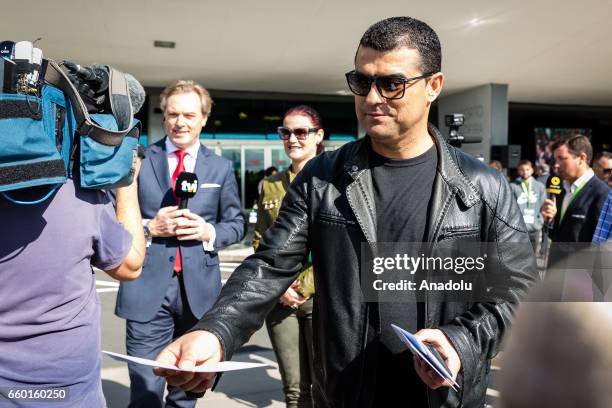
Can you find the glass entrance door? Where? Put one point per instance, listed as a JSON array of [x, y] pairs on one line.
[[254, 166]]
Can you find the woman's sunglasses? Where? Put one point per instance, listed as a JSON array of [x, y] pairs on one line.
[[301, 133]]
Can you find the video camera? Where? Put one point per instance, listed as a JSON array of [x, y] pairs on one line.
[[57, 119], [454, 121]]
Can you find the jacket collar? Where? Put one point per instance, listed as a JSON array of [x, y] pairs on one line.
[[449, 182], [448, 170]]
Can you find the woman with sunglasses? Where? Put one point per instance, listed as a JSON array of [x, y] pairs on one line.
[[289, 324]]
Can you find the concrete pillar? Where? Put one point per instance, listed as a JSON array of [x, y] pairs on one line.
[[156, 128], [486, 116]]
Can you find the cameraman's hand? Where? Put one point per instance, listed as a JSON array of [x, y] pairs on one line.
[[166, 221], [186, 352]]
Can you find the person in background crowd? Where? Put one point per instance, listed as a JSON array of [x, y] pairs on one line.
[[401, 183], [542, 173], [496, 164], [270, 171], [289, 324], [602, 166], [530, 195], [576, 211], [603, 231], [181, 278]]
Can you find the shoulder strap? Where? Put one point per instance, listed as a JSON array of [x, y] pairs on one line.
[[121, 107]]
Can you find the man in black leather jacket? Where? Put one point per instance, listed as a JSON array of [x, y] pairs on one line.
[[335, 206]]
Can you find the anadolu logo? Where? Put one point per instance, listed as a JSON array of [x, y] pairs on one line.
[[189, 187], [555, 181]]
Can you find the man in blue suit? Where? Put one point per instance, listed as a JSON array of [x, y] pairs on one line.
[[576, 211], [181, 279]]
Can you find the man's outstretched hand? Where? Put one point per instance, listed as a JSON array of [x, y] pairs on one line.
[[187, 352]]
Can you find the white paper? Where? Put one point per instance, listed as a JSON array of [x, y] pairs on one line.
[[220, 367]]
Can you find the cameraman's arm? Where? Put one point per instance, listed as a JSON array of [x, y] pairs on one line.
[[128, 213]]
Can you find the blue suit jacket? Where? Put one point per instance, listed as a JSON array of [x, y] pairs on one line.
[[580, 218], [217, 202]]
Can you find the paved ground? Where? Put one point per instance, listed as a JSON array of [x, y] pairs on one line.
[[260, 387]]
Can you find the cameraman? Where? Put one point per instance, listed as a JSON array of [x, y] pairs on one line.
[[49, 307]]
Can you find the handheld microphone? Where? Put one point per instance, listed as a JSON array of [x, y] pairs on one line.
[[553, 189], [553, 186], [186, 187]]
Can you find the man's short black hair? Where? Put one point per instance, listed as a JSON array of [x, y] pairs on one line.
[[395, 32]]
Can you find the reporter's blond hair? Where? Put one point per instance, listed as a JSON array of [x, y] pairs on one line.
[[185, 86]]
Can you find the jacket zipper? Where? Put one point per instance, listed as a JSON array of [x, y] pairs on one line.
[[436, 239], [457, 233]]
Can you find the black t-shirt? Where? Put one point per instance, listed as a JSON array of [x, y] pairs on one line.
[[402, 195]]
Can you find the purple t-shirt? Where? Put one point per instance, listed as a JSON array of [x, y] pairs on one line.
[[49, 308]]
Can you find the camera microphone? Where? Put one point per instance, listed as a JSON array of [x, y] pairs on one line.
[[186, 186], [92, 84], [95, 72]]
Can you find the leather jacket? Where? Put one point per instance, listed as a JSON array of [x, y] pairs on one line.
[[329, 209]]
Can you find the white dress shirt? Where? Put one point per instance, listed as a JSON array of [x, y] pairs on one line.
[[189, 162], [571, 189]]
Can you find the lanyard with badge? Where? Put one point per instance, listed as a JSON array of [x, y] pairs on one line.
[[528, 213]]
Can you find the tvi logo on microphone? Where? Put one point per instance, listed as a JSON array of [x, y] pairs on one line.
[[189, 187]]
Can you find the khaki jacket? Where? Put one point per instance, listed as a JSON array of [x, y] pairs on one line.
[[272, 193]]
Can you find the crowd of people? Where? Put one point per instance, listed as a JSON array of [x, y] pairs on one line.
[[316, 223]]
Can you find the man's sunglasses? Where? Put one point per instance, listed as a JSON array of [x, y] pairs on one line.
[[389, 87], [301, 133]]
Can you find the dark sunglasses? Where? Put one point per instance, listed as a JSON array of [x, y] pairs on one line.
[[301, 133], [389, 87]]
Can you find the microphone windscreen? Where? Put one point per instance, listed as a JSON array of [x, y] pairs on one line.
[[137, 92], [186, 185], [135, 89], [553, 185]]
